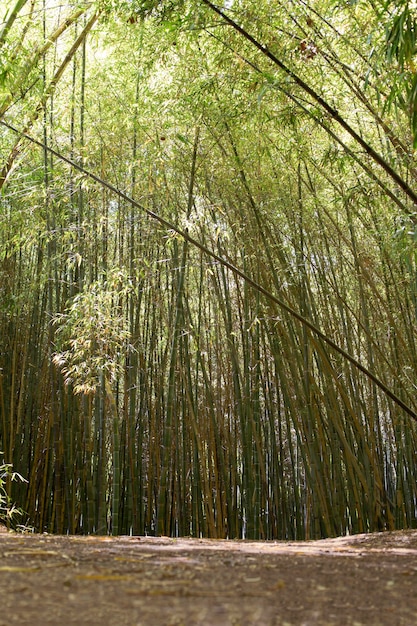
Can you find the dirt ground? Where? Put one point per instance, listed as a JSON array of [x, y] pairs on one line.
[[135, 581]]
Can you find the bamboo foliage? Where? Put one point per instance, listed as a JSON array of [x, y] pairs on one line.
[[145, 387]]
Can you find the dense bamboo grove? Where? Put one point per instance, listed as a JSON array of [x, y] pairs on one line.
[[146, 386]]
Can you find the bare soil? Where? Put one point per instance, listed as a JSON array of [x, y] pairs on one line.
[[134, 581]]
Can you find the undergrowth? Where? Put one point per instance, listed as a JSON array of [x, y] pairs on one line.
[[9, 512]]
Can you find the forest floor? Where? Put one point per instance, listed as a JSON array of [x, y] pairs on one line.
[[117, 581]]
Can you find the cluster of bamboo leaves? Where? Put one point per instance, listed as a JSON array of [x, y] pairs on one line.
[[145, 385]]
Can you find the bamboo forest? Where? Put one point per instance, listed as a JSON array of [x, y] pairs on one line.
[[208, 266]]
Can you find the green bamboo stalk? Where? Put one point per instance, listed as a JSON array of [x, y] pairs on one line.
[[166, 473], [10, 19]]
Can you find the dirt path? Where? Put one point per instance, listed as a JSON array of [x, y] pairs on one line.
[[135, 581]]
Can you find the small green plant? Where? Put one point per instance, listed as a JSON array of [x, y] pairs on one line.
[[8, 510]]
